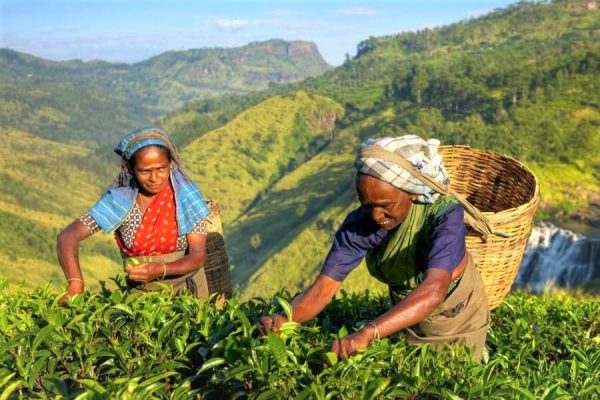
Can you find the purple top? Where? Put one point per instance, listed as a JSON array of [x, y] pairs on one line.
[[359, 234]]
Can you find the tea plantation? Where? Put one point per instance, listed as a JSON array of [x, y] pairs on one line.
[[113, 345]]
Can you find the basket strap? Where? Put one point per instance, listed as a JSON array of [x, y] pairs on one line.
[[474, 217]]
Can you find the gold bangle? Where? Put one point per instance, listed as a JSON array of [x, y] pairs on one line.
[[376, 335], [164, 271], [75, 279]]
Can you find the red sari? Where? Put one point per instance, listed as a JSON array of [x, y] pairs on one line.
[[157, 233]]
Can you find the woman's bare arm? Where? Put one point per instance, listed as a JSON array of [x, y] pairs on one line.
[[67, 250], [413, 309]]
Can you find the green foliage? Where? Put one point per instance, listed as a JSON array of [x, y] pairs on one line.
[[112, 344], [523, 80]]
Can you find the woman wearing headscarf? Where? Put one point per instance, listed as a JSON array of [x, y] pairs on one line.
[[158, 217], [413, 239]]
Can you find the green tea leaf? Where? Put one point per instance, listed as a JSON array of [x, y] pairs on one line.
[[93, 385], [157, 378], [287, 308], [288, 329], [56, 386], [9, 389], [6, 379], [376, 387], [123, 308], [132, 262], [41, 336], [243, 319], [268, 394], [277, 347], [212, 363], [331, 358], [525, 392]]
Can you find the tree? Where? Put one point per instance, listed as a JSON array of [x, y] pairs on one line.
[[418, 82]]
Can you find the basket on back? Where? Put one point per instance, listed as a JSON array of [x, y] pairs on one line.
[[507, 193], [216, 265]]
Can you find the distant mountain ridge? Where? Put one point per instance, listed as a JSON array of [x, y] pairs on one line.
[[297, 60], [97, 100]]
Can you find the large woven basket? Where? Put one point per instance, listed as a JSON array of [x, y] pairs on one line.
[[216, 265], [507, 193]]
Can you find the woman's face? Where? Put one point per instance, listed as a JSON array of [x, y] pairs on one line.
[[385, 204], [151, 168]]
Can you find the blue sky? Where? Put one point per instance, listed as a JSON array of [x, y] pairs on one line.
[[134, 30]]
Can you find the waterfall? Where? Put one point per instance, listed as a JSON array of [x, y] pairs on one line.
[[557, 257]]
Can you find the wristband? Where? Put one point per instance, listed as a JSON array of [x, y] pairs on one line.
[[75, 279], [376, 335]]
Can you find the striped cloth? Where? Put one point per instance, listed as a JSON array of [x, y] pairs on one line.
[[113, 206], [420, 153]]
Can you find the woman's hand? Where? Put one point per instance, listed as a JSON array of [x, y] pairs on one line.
[[271, 322], [412, 310], [345, 346], [145, 273], [74, 288]]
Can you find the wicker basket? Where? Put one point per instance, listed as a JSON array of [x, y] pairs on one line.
[[507, 193], [216, 265]]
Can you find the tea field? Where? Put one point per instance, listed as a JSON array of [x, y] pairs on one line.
[[110, 344]]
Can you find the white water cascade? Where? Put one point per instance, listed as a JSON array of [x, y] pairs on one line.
[[556, 257]]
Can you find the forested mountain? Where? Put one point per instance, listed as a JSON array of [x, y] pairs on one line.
[[97, 101], [524, 80]]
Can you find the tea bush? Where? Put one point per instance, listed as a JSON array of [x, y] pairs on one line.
[[112, 344]]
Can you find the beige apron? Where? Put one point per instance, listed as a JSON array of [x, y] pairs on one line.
[[463, 318], [194, 282]]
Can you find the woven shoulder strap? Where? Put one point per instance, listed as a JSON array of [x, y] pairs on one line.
[[473, 217]]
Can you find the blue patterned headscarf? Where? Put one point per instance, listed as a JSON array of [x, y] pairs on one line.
[[141, 138], [114, 205]]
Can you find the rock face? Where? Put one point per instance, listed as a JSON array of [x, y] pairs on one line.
[[256, 63], [558, 257]]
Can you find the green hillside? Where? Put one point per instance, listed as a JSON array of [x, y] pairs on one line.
[[96, 101], [45, 185], [238, 163]]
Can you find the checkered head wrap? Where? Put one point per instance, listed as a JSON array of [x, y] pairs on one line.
[[420, 153]]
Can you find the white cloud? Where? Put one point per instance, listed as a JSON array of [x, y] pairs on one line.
[[355, 11], [230, 24]]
